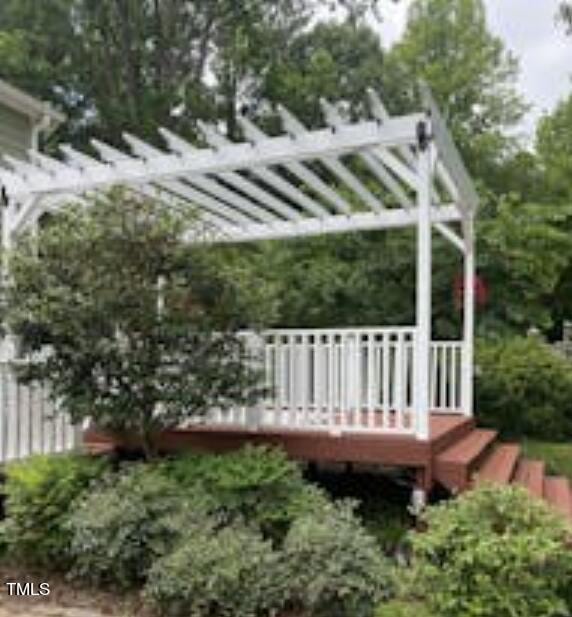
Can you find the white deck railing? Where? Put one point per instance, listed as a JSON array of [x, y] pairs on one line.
[[446, 376], [345, 380], [337, 380], [28, 424]]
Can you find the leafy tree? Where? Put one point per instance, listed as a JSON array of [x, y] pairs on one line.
[[523, 251], [448, 44], [554, 146], [337, 61], [141, 326], [116, 65]]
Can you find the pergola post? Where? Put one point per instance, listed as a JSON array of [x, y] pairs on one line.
[[7, 346], [468, 318], [423, 302]]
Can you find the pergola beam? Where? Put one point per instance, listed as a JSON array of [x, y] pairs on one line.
[[293, 126], [233, 157], [449, 155], [394, 218]]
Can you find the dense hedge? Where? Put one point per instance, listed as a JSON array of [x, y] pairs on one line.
[[524, 388]]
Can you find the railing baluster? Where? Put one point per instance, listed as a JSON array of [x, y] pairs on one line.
[[304, 365], [371, 378], [386, 353]]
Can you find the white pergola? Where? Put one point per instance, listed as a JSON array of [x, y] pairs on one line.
[[379, 173]]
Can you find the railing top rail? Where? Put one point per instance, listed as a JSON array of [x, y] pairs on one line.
[[343, 330]]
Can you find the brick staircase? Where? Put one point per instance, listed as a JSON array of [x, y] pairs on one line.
[[478, 457]]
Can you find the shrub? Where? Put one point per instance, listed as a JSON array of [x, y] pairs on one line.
[[494, 552], [228, 572], [119, 530], [398, 608], [39, 493], [335, 567], [524, 388], [256, 484]]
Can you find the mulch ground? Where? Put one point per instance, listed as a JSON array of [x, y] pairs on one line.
[[65, 600]]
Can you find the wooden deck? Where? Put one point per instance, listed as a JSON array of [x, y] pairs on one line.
[[457, 455], [316, 446]]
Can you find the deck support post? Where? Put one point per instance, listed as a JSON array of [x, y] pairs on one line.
[[423, 301], [468, 318]]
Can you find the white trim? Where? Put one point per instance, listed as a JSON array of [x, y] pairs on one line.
[[388, 219], [449, 154], [273, 151], [423, 300]]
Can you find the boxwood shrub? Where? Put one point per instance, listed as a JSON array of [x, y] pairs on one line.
[[136, 517], [227, 572], [335, 568], [494, 552]]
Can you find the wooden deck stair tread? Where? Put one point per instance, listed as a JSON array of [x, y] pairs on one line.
[[500, 465], [530, 474], [557, 493], [469, 448]]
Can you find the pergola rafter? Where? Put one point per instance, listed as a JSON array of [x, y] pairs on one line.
[[382, 172], [303, 179]]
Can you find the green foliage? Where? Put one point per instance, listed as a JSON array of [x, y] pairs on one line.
[[448, 44], [557, 456], [524, 250], [337, 61], [228, 572], [255, 484], [164, 55], [494, 552], [523, 387], [90, 286], [554, 135], [335, 568], [39, 494], [120, 529], [400, 608]]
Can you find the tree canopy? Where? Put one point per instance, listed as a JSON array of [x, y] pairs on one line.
[[141, 327], [131, 65]]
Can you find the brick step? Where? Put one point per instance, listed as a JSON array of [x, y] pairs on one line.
[[500, 465], [454, 465], [557, 493], [530, 474]]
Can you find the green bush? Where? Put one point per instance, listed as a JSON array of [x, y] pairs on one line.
[[398, 608], [229, 572], [494, 552], [39, 493], [118, 531], [335, 568], [256, 484], [524, 388]]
